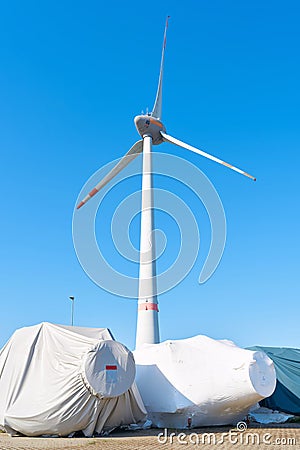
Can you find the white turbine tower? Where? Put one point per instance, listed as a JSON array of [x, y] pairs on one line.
[[153, 132]]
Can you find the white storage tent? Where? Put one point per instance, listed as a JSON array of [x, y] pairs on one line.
[[55, 380], [201, 381]]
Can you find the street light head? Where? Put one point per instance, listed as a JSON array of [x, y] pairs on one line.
[[72, 298]]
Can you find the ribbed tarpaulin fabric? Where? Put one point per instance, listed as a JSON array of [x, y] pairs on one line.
[[55, 380]]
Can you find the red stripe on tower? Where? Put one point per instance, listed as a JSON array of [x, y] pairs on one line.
[[148, 307], [111, 367]]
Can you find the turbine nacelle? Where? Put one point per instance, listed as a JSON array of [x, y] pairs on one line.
[[147, 125]]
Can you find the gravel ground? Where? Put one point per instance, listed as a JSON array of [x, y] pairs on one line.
[[285, 436]]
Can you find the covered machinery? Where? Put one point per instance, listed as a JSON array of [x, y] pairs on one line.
[[286, 396], [56, 380], [201, 381]]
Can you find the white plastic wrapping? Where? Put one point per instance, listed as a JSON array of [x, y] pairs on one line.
[[57, 380], [201, 382]]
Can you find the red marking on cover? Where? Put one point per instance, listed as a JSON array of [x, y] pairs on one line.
[[111, 367]]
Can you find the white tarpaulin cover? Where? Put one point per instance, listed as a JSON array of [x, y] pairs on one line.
[[57, 380], [200, 381], [266, 415]]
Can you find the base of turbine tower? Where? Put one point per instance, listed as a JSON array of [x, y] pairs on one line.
[[147, 330]]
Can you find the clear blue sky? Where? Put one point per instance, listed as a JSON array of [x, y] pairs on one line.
[[73, 75]]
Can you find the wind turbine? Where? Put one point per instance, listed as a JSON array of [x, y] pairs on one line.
[[153, 132]]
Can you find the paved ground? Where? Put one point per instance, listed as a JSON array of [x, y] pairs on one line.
[[282, 437]]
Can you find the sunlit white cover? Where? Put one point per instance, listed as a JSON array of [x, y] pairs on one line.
[[201, 381]]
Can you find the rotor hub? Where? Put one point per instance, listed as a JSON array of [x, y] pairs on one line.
[[147, 125]]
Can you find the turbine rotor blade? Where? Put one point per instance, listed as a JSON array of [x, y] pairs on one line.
[[157, 108], [135, 150], [172, 140]]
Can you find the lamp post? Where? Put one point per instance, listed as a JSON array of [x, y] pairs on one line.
[[72, 311]]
